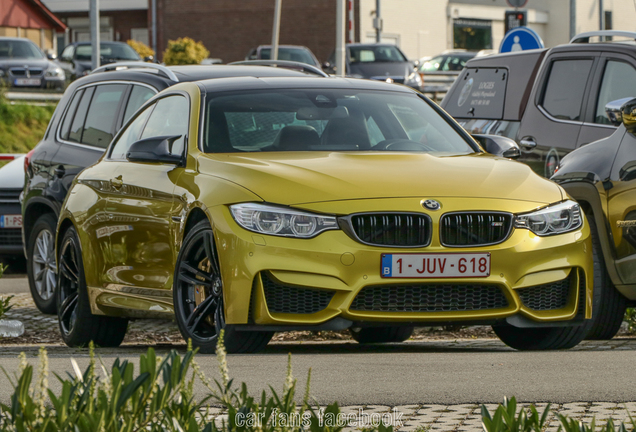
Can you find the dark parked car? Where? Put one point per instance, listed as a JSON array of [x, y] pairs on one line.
[[295, 53], [602, 177], [76, 59], [381, 62], [91, 112], [11, 184], [22, 64], [550, 101]]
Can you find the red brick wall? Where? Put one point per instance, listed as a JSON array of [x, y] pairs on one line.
[[230, 28]]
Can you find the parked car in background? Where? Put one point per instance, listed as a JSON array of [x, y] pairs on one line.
[[76, 58], [91, 112], [448, 61], [550, 101], [11, 185], [23, 65], [255, 205], [382, 62], [601, 176], [296, 53]]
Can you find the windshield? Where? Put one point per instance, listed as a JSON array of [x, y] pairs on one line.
[[10, 49], [445, 63], [372, 53], [292, 54], [107, 51], [327, 120]]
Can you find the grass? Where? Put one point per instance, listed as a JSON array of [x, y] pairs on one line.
[[22, 126]]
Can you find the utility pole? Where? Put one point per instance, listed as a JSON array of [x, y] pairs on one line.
[[94, 19], [153, 18], [340, 38], [572, 19], [377, 22], [276, 30], [601, 16]]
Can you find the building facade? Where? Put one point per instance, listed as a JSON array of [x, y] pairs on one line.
[[32, 20]]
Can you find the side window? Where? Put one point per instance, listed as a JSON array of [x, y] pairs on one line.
[[130, 134], [67, 54], [68, 118], [170, 117], [619, 80], [100, 120], [75, 134], [563, 95], [138, 96]]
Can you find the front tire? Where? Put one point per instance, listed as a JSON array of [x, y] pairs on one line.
[[198, 297], [77, 323], [41, 264], [539, 339], [368, 335], [608, 305]]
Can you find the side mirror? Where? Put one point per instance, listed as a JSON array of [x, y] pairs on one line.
[[149, 58], [51, 55], [155, 149], [326, 66], [499, 145], [614, 110]]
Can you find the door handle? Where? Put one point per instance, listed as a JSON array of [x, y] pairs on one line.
[[117, 182], [59, 171], [528, 142]]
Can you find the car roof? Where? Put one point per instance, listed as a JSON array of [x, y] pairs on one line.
[[15, 38], [304, 82], [101, 43], [284, 46]]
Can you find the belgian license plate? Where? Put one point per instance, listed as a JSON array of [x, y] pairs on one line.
[[443, 265], [28, 82], [10, 221]]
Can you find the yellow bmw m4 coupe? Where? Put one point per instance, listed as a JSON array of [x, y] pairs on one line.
[[259, 205]]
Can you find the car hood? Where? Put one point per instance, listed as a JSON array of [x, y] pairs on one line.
[[31, 63], [294, 178], [378, 69], [12, 174]]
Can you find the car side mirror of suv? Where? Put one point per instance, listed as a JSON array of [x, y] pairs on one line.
[[155, 149], [498, 145], [615, 110]]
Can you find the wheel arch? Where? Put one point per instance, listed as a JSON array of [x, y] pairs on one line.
[[587, 195], [32, 212]]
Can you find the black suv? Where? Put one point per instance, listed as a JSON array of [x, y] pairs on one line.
[[89, 115], [551, 101], [602, 177]]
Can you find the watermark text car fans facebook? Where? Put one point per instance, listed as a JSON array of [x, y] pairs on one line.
[[358, 419]]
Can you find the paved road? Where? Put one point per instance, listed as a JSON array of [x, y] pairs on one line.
[[11, 284]]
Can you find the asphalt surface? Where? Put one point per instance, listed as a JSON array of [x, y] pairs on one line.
[[430, 371]]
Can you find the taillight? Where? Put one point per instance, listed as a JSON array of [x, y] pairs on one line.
[[27, 160]]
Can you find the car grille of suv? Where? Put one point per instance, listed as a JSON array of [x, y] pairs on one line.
[[10, 237], [429, 298], [21, 72], [474, 228], [10, 195], [392, 229], [282, 298], [548, 296]]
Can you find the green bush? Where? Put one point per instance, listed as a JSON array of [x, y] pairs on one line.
[[22, 126], [184, 51], [158, 398], [507, 419], [142, 49]]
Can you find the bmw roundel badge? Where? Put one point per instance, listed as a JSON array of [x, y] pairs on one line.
[[431, 204]]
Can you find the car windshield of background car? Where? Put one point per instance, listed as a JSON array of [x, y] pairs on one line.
[[369, 54], [19, 49]]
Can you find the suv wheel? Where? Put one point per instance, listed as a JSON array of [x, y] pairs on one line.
[[41, 263], [198, 297], [389, 334], [78, 325], [608, 306]]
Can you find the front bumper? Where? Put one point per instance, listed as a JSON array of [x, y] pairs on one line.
[[302, 271]]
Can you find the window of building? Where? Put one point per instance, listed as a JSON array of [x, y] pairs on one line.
[[472, 34]]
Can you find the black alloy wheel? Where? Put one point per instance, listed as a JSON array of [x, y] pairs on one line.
[[77, 323], [198, 297]]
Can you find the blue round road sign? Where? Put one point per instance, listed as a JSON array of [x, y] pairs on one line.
[[520, 39]]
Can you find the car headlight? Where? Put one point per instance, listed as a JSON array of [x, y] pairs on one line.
[[555, 219], [414, 79], [279, 221], [55, 73]]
